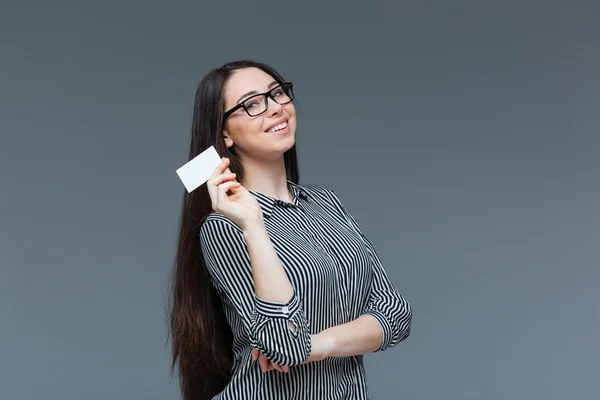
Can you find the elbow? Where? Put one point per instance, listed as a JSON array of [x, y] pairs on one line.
[[404, 322], [400, 319]]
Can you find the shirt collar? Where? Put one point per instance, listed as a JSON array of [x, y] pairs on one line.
[[267, 203]]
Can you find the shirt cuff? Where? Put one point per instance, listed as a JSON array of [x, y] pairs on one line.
[[276, 309], [386, 328]]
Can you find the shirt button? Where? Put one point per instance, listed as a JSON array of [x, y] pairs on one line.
[[285, 310]]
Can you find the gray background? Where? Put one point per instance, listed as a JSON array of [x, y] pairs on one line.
[[463, 135]]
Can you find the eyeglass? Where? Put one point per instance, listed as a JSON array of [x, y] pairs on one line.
[[258, 103]]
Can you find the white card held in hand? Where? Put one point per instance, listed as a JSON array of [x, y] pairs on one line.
[[197, 171]]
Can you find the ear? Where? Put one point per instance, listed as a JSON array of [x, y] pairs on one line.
[[227, 139]]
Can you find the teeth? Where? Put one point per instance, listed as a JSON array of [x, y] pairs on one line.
[[278, 127]]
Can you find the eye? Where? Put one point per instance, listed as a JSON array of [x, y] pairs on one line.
[[251, 104], [277, 92]]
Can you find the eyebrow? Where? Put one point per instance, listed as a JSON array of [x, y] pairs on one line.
[[272, 84]]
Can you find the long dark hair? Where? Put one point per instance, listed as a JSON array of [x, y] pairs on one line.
[[201, 337]]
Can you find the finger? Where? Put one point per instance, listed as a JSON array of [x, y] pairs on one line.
[[237, 188], [224, 188], [254, 354], [286, 369], [277, 367], [218, 195], [270, 365], [219, 179], [220, 168], [210, 185], [263, 361]]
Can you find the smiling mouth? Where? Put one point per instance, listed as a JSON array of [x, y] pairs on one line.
[[277, 128]]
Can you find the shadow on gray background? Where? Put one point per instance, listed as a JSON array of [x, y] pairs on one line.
[[463, 136]]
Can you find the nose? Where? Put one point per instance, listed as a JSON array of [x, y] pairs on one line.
[[273, 108]]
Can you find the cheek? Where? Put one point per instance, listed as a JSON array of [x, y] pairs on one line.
[[292, 114], [246, 127], [290, 109], [255, 124]]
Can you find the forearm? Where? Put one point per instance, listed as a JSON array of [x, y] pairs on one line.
[[270, 279], [237, 261], [360, 336]]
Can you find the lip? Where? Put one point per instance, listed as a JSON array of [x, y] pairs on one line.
[[281, 121], [282, 132]]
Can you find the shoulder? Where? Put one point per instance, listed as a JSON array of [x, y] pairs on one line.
[[216, 219], [322, 193], [216, 227], [327, 198]]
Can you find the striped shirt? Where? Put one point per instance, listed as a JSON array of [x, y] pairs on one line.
[[337, 277]]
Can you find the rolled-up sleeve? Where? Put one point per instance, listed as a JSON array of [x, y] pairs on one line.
[[279, 330], [385, 303]]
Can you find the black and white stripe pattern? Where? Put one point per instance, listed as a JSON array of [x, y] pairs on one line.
[[337, 277]]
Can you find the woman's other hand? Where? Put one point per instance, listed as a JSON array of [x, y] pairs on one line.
[[321, 347], [265, 364]]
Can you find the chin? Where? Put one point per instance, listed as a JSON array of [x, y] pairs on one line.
[[284, 145], [288, 144]]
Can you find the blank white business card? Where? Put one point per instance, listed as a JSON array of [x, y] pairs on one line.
[[197, 171]]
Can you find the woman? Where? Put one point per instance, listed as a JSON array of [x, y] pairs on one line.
[[277, 294]]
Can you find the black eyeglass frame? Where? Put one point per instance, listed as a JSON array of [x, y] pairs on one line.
[[267, 95]]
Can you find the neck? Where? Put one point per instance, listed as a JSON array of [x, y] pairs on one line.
[[267, 177]]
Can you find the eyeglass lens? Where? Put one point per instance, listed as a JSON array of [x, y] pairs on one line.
[[258, 104]]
